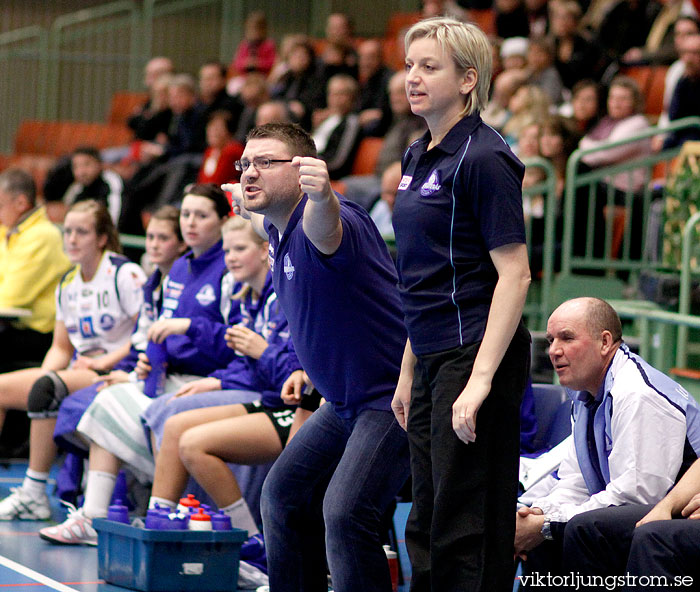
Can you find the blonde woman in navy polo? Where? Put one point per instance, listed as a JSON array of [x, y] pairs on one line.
[[463, 277]]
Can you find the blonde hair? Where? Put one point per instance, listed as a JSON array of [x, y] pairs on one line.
[[468, 47], [235, 224]]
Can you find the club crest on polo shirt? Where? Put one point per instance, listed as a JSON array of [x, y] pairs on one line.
[[431, 185], [206, 295], [288, 267]]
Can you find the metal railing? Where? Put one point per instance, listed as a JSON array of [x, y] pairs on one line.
[[539, 302], [23, 51], [593, 188]]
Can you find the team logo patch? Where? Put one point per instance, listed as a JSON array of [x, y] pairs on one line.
[[86, 328], [206, 295], [405, 182], [288, 267], [431, 185], [107, 322]]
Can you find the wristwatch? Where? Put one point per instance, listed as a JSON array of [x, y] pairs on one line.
[[547, 529]]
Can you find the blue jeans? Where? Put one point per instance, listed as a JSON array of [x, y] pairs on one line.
[[344, 474]]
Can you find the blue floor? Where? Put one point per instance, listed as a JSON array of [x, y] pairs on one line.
[[28, 563]]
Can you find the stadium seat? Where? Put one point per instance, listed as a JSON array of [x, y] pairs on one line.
[[366, 158], [553, 412], [123, 105]]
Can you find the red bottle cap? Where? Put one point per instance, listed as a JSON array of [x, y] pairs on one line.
[[189, 501], [200, 515]]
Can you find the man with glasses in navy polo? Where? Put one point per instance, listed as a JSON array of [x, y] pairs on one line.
[[337, 286]]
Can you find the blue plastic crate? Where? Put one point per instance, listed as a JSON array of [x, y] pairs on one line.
[[168, 560]]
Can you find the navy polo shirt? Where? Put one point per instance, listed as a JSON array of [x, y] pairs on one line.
[[343, 310], [456, 202]]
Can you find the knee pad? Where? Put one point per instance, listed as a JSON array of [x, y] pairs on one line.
[[45, 396]]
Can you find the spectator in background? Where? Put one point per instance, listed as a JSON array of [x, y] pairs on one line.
[[281, 65], [514, 53], [623, 120], [222, 151], [301, 87], [374, 76], [382, 210], [556, 143], [405, 128], [339, 31], [496, 113], [540, 65], [528, 141], [575, 55], [272, 112], [31, 263], [212, 92], [511, 19], [253, 93], [528, 105], [586, 106], [92, 181], [626, 25], [661, 46], [684, 102], [337, 131], [684, 27], [449, 8], [256, 53], [149, 122], [154, 116], [537, 17], [336, 59], [161, 180]]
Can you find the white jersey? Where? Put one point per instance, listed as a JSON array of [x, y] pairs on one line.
[[99, 314]]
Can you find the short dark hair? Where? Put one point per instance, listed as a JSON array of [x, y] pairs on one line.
[[297, 140], [90, 151], [19, 182], [222, 69], [214, 193], [603, 317], [226, 117]]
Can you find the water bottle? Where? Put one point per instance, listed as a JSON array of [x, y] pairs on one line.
[[187, 503], [393, 560], [200, 521], [118, 512], [221, 521], [154, 384]]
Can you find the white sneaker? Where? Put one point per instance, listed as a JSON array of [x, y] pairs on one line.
[[19, 505], [75, 530]]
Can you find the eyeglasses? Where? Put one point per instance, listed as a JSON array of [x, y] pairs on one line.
[[258, 162]]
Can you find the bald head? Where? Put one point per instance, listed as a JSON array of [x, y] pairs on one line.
[[155, 68], [583, 336]]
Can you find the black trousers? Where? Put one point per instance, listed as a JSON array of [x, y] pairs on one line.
[[606, 543], [461, 527]]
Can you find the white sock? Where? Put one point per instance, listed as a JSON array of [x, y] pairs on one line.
[[34, 483], [161, 501], [240, 515], [98, 493]]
